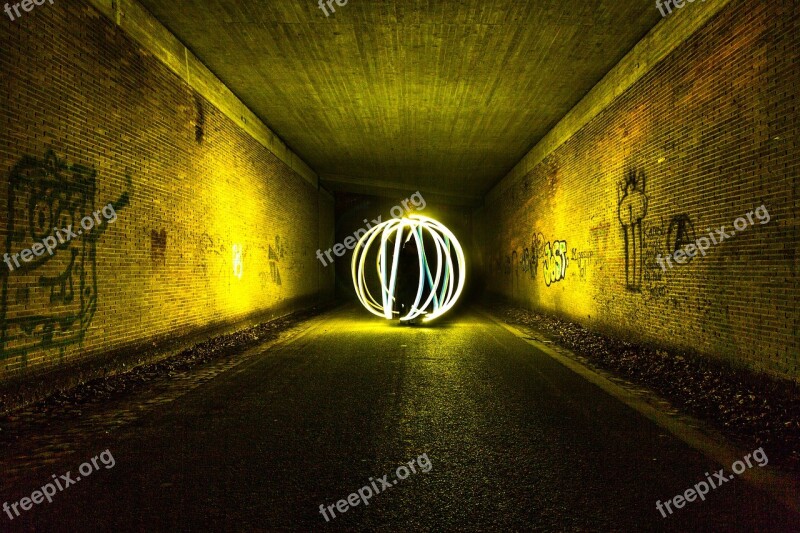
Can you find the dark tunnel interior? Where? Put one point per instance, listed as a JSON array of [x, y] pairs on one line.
[[404, 265]]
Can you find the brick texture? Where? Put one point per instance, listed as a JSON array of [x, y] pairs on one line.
[[707, 136], [211, 227]]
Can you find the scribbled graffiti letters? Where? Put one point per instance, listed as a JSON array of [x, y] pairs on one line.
[[582, 258], [531, 256], [555, 262]]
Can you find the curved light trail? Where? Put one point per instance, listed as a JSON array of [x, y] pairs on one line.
[[436, 292]]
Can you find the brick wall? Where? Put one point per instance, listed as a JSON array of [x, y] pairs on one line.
[[211, 227], [707, 136], [327, 233]]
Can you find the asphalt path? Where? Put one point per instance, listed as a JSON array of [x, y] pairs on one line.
[[511, 439]]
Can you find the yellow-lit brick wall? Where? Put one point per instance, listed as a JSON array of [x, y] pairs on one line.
[[327, 234], [707, 136], [211, 227]]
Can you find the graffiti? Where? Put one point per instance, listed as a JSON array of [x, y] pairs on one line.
[[537, 252], [50, 302], [531, 256], [657, 292], [275, 254], [653, 279], [555, 262], [681, 233], [275, 273], [653, 245], [582, 259], [632, 208], [652, 275], [654, 232], [553, 258], [238, 260], [537, 244], [158, 247], [209, 254], [526, 261]]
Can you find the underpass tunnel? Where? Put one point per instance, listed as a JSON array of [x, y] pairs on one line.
[[474, 265]]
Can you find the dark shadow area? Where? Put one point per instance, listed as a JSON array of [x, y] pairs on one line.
[[751, 409], [68, 402]]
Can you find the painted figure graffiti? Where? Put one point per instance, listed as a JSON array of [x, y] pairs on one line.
[[50, 302], [632, 208]]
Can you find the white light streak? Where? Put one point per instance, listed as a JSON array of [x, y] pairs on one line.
[[436, 294]]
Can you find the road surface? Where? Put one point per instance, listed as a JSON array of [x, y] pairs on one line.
[[512, 439]]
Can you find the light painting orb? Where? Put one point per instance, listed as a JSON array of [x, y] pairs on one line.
[[439, 262]]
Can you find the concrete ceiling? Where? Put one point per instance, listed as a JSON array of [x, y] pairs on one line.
[[386, 96]]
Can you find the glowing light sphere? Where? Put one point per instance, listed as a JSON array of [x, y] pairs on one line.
[[437, 291]]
